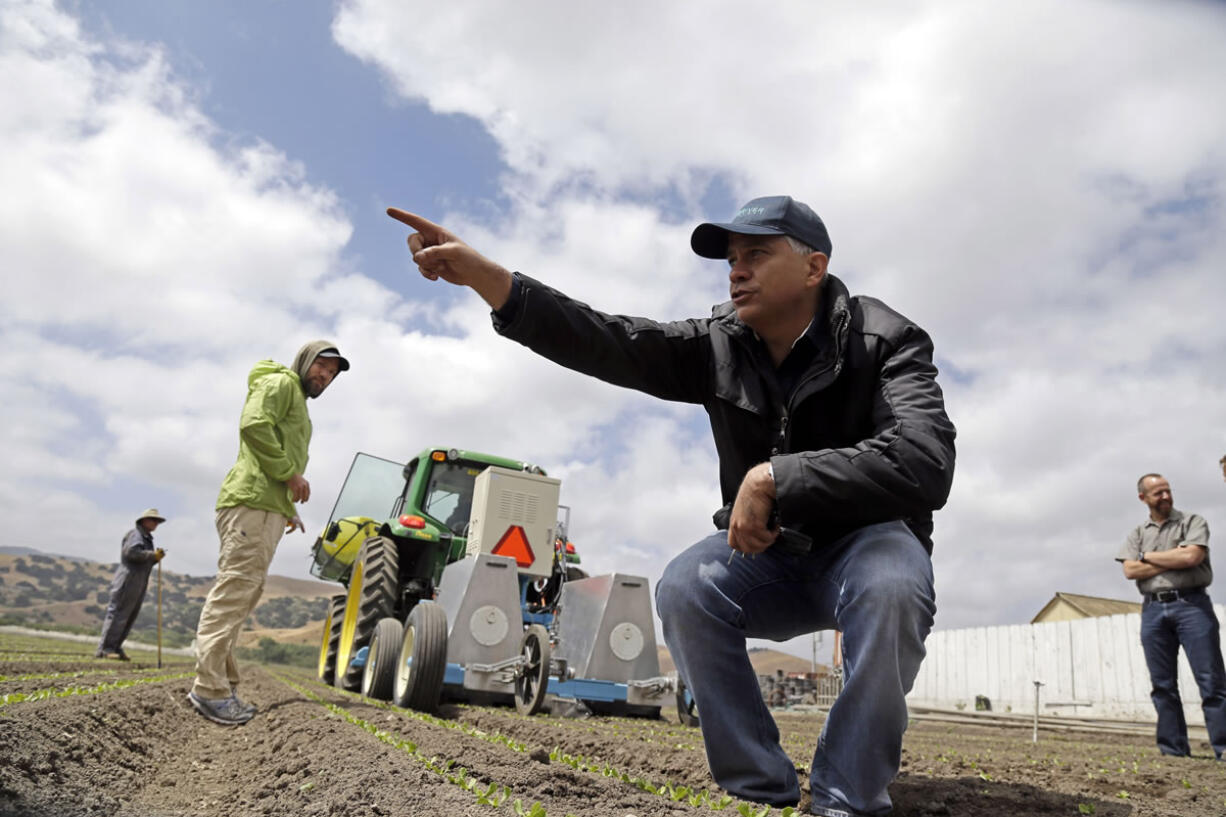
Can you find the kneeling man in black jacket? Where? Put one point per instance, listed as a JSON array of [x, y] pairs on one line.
[[834, 450]]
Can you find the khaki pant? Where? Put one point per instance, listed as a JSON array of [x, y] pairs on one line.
[[249, 539]]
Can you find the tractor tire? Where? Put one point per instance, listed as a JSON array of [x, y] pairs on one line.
[[330, 636], [379, 674], [373, 585], [532, 677], [687, 708], [422, 660]]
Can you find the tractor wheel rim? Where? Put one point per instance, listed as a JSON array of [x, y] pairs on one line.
[[323, 647], [368, 675], [350, 622], [405, 670]]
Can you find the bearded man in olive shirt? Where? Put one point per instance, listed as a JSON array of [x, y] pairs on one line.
[[1168, 556]]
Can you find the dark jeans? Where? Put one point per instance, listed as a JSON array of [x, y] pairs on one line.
[[875, 585], [1189, 621]]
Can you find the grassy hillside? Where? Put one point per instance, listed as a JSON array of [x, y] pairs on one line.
[[69, 594]]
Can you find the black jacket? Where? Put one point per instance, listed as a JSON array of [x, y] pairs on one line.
[[864, 437]]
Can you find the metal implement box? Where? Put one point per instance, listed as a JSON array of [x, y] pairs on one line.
[[606, 630], [481, 599], [514, 513]]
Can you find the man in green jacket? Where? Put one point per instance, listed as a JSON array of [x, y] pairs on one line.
[[254, 509]]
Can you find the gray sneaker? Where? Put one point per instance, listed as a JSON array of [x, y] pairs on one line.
[[251, 709], [226, 711]]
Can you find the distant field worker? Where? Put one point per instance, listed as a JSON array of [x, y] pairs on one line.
[[254, 509], [137, 556], [1168, 556]]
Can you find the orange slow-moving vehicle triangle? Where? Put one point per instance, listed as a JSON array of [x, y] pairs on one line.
[[514, 543]]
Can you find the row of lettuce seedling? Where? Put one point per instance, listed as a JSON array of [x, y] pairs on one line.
[[66, 692], [677, 794], [674, 735], [494, 794], [81, 673]]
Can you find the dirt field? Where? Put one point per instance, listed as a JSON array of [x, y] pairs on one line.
[[86, 737]]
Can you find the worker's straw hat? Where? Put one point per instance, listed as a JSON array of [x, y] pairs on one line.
[[151, 513]]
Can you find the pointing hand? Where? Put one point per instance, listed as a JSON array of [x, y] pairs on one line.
[[440, 253]]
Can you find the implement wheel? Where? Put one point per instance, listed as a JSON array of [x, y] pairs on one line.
[[687, 708], [422, 660], [331, 635], [373, 583], [532, 676], [379, 674]]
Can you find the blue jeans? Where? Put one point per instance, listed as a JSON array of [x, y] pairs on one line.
[[875, 585], [1191, 622]]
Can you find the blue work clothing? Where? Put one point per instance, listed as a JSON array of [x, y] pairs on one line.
[[1165, 625], [875, 585], [136, 561]]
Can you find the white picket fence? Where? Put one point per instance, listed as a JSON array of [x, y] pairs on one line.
[[1093, 667]]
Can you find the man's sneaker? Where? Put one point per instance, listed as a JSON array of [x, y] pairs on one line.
[[252, 708], [121, 655], [226, 711]]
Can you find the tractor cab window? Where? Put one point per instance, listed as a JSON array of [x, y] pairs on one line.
[[449, 494], [370, 489]]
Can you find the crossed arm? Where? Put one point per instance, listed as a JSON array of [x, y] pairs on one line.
[[1160, 561]]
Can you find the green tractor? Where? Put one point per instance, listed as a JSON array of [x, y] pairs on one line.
[[392, 532]]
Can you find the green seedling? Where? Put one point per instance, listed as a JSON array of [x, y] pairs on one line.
[[678, 793], [67, 692], [535, 810]]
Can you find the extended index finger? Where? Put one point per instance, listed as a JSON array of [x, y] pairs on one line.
[[415, 221]]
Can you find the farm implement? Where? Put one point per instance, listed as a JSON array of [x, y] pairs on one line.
[[461, 582]]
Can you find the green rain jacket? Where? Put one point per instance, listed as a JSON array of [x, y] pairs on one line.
[[274, 433]]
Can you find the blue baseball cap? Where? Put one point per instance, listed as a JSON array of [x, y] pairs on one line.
[[768, 215]]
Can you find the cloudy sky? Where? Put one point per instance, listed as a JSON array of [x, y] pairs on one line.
[[189, 188]]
